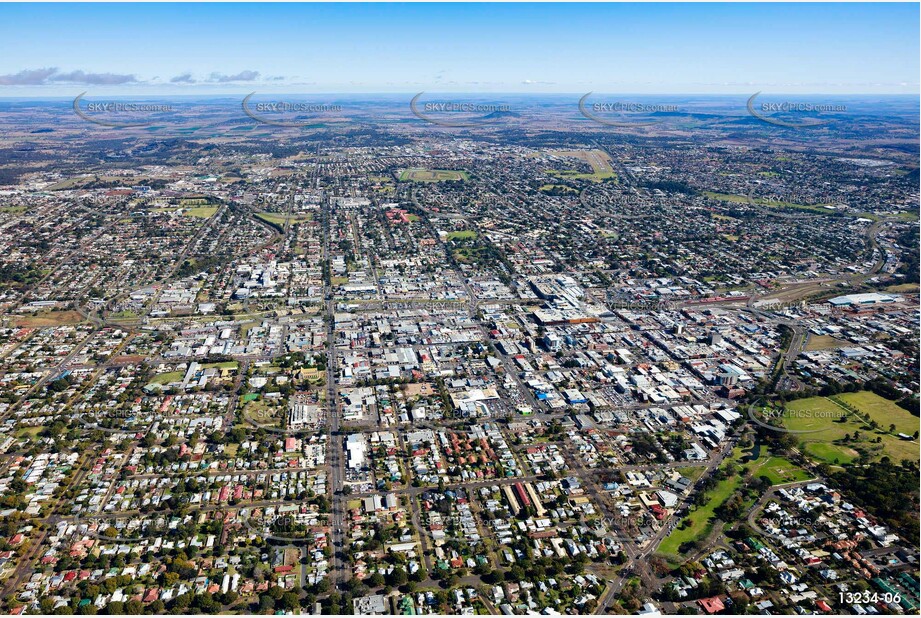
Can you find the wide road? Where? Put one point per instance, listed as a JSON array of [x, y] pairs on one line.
[[338, 574]]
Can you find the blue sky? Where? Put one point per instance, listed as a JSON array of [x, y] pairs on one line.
[[64, 49]]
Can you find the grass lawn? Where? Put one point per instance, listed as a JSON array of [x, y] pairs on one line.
[[882, 411], [816, 208], [200, 212], [51, 318], [223, 365], [822, 342], [564, 188], [467, 255], [822, 417], [903, 216], [70, 183], [903, 288], [166, 378], [461, 235], [280, 218], [726, 197], [691, 472], [759, 462], [272, 217], [421, 175], [779, 470], [260, 414], [818, 414], [699, 519], [760, 201], [575, 175], [830, 453]]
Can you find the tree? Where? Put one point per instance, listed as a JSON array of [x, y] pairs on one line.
[[397, 577], [290, 601], [266, 603]]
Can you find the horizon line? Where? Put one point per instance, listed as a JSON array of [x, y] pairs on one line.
[[468, 94]]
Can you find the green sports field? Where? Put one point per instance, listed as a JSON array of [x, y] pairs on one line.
[[461, 235], [166, 378], [882, 411], [200, 212], [837, 436]]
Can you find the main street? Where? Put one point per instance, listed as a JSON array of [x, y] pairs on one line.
[[338, 572]]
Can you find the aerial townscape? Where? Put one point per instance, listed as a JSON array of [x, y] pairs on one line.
[[491, 354]]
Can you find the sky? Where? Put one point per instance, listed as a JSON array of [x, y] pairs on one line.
[[642, 48]]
